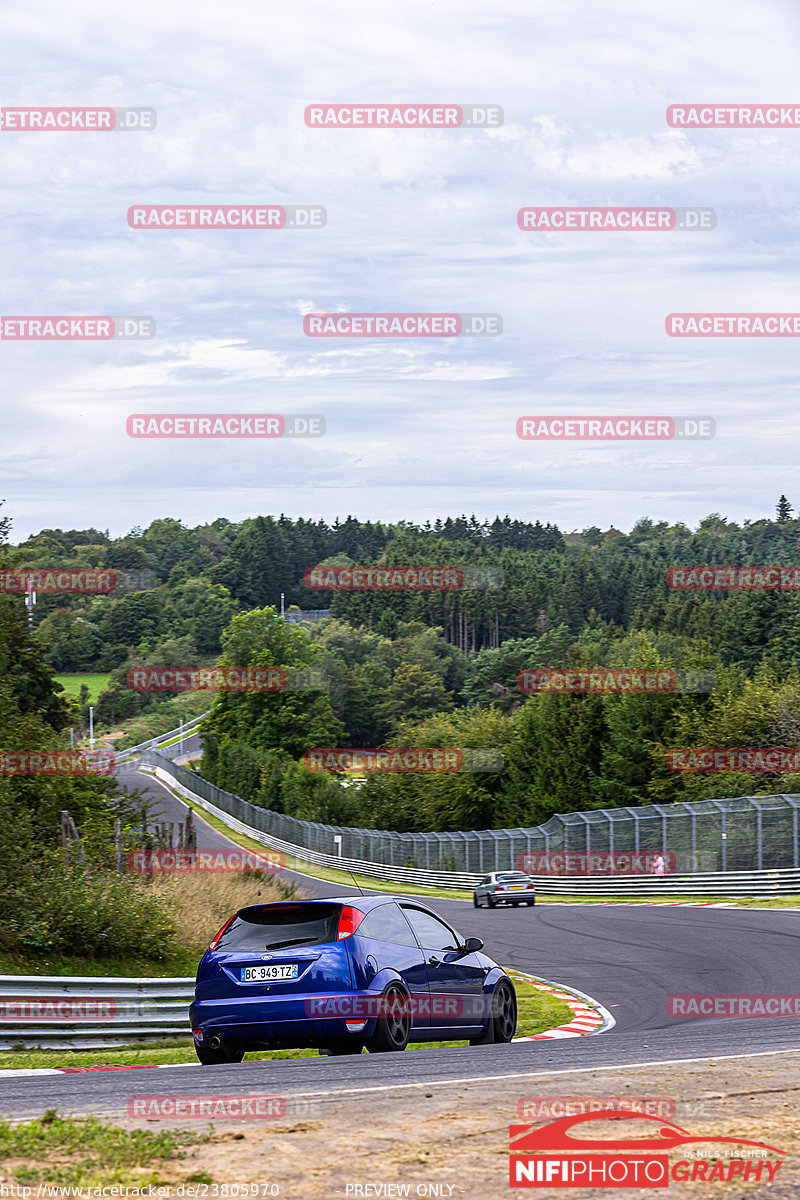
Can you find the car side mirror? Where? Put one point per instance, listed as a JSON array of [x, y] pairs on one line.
[[471, 945]]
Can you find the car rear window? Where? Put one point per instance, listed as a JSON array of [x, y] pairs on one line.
[[512, 877], [279, 926]]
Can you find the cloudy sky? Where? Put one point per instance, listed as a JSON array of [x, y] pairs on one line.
[[418, 221]]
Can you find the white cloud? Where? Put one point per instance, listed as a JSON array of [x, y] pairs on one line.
[[417, 222]]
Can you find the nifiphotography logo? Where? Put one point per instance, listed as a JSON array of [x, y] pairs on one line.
[[554, 1156]]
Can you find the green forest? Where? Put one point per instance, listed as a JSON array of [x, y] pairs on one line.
[[439, 668]]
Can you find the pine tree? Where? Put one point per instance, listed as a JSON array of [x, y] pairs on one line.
[[784, 509]]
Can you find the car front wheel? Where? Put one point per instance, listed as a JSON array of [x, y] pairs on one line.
[[503, 1017], [475, 903]]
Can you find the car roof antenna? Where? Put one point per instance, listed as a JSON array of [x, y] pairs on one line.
[[355, 881]]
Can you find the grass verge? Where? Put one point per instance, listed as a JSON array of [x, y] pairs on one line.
[[537, 1012], [198, 904], [72, 684], [183, 962], [86, 1152]]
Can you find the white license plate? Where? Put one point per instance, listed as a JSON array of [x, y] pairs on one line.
[[276, 971]]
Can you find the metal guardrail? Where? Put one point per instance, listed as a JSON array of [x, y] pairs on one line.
[[734, 883], [157, 742], [81, 1013]]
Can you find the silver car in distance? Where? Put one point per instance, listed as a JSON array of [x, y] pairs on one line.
[[504, 887]]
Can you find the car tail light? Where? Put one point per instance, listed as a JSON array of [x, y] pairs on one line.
[[531, 886], [349, 921], [498, 887], [218, 935]]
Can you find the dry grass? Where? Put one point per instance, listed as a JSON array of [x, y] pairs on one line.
[[199, 903]]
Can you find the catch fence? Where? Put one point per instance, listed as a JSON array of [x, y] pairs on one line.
[[705, 836]]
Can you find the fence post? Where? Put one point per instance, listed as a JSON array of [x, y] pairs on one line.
[[793, 805], [118, 844], [72, 829], [65, 838]]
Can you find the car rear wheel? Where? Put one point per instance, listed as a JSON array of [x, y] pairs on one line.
[[491, 902], [222, 1054], [503, 1019], [530, 903], [393, 1026]]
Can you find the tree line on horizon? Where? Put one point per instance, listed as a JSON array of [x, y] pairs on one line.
[[401, 671]]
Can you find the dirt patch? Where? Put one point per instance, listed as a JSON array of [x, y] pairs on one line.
[[452, 1140]]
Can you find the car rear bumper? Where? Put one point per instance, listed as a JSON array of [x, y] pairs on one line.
[[305, 1019], [508, 897]]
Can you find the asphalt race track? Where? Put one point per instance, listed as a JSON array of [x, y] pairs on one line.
[[630, 958]]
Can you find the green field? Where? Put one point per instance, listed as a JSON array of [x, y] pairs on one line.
[[72, 684]]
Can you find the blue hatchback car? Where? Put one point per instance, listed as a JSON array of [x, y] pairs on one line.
[[342, 974]]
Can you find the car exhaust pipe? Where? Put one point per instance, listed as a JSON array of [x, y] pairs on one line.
[[215, 1042]]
